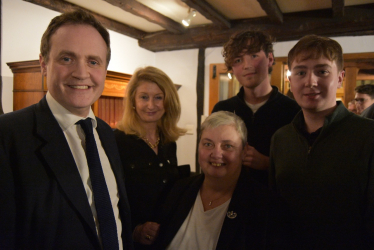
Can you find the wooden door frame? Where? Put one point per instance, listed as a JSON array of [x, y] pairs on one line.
[[214, 71]]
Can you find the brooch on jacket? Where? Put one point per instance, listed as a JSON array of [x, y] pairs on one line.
[[231, 214]]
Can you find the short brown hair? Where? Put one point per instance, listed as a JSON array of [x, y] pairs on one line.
[[75, 17], [313, 47], [367, 89], [239, 41], [167, 125]]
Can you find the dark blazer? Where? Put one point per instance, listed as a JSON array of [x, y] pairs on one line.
[[368, 112], [148, 176], [255, 220], [43, 204]]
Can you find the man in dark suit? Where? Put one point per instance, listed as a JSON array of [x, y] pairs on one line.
[[364, 100], [47, 200]]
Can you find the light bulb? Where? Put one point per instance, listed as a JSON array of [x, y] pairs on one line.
[[186, 22]]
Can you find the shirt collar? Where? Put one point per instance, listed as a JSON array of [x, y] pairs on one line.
[[331, 121], [64, 117]]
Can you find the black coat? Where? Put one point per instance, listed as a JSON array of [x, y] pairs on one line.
[[261, 220], [43, 203], [148, 177], [368, 112]]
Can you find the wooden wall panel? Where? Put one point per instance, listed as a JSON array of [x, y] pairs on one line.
[[349, 84], [29, 87], [110, 109]]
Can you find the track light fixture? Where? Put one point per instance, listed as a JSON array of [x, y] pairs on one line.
[[186, 22]]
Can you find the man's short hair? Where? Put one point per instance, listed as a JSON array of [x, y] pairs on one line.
[[71, 18], [314, 47], [239, 41], [366, 89]]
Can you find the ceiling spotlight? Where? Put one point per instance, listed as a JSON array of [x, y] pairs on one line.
[[186, 22]]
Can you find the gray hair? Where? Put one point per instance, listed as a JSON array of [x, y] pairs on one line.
[[222, 118]]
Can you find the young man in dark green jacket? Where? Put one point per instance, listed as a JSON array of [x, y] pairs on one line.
[[322, 163]]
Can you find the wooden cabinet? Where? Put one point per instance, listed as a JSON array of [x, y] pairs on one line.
[[29, 86]]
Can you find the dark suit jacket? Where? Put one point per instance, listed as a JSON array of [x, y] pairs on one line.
[[260, 219], [43, 204], [368, 112]]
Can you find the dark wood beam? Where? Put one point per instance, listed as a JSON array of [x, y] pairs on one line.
[[356, 21], [338, 8], [63, 7], [149, 14], [200, 99], [272, 10], [1, 76], [208, 11], [361, 63]]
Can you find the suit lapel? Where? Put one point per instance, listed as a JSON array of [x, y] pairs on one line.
[[58, 157], [237, 213], [180, 203]]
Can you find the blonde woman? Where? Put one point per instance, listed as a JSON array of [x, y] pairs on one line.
[[146, 138]]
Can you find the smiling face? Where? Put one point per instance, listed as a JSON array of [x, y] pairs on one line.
[[149, 102], [76, 67], [221, 152], [314, 83], [252, 69]]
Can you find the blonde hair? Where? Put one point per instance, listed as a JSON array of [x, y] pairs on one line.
[[222, 118], [167, 125]]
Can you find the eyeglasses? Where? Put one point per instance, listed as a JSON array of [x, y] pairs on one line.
[[360, 100]]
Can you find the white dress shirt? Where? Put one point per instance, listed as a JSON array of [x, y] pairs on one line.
[[76, 139]]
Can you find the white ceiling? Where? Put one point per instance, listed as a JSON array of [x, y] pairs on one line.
[[177, 10]]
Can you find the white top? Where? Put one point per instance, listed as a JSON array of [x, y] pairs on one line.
[[255, 107], [76, 139], [200, 230]]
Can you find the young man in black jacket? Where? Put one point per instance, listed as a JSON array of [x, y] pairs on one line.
[[264, 110]]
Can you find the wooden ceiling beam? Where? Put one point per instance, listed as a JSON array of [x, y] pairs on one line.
[[338, 8], [360, 65], [208, 11], [357, 21], [272, 10], [63, 7], [149, 14]]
